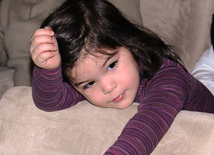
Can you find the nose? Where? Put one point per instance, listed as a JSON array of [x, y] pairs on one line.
[[108, 85]]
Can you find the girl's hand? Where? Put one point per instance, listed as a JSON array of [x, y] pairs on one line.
[[44, 49]]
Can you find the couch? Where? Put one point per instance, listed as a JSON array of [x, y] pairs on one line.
[[24, 129]]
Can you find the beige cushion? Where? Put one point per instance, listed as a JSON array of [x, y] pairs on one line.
[[6, 80], [89, 130], [185, 24], [130, 9], [19, 18], [3, 55]]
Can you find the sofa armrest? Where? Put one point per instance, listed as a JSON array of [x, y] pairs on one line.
[[86, 129]]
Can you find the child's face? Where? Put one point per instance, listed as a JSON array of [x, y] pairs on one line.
[[106, 80]]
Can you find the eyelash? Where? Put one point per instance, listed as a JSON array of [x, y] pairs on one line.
[[88, 85], [112, 66]]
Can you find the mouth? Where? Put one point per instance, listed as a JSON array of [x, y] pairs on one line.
[[119, 98]]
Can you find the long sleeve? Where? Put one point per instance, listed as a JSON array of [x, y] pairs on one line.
[[161, 98], [49, 91]]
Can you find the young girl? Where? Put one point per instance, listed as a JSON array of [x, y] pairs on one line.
[[88, 50]]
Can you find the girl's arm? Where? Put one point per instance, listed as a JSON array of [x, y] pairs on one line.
[[50, 93], [160, 101]]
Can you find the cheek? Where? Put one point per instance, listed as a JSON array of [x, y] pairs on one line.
[[95, 97], [130, 76]]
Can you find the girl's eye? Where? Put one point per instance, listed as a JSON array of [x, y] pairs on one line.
[[88, 85], [112, 65]]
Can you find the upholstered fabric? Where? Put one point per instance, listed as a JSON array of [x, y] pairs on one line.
[[3, 55], [6, 80], [89, 130], [19, 18], [185, 24], [130, 9]]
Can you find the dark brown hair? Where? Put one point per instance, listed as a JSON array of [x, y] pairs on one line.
[[97, 24]]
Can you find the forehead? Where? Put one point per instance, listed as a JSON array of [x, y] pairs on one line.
[[89, 62]]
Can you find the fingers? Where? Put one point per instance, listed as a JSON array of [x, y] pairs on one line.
[[43, 31], [41, 49], [39, 43], [41, 59], [48, 28], [43, 46], [42, 36]]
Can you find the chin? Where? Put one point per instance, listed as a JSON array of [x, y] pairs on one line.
[[124, 106]]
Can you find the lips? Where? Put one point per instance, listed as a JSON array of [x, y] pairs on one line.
[[119, 98]]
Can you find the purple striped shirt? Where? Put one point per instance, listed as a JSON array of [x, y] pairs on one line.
[[161, 98]]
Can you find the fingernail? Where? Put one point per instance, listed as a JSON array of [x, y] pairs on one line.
[[52, 32]]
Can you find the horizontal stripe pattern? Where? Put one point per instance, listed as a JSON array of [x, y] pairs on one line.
[[161, 98], [49, 91]]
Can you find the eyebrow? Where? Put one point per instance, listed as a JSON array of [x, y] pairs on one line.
[[107, 59], [79, 83]]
